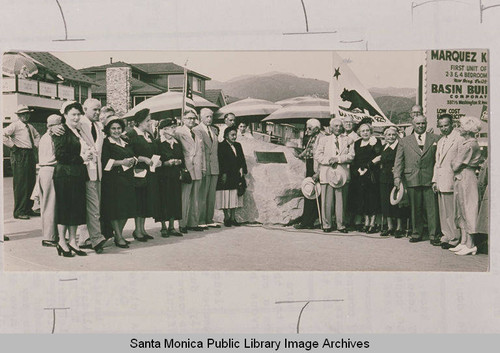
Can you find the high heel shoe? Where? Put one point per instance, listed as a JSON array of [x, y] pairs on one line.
[[457, 248], [467, 251], [147, 236], [77, 251], [123, 246], [60, 251], [143, 239]]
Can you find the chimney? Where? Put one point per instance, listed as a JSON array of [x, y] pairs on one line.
[[111, 60], [118, 88]]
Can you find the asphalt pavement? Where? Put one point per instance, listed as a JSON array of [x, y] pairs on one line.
[[246, 248]]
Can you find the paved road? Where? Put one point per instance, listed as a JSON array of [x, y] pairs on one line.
[[248, 248]]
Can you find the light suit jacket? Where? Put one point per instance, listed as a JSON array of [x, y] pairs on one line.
[[327, 149], [86, 131], [193, 150], [446, 152], [210, 147], [416, 165]]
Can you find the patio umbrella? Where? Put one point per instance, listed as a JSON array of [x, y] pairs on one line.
[[17, 64], [302, 110], [249, 109], [169, 101], [295, 100]]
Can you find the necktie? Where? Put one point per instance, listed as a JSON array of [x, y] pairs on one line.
[[30, 135], [337, 143], [94, 132], [210, 134], [420, 142], [192, 134]]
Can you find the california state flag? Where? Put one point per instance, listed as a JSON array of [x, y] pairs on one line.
[[348, 97]]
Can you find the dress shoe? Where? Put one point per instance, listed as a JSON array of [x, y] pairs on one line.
[[372, 230], [138, 238], [435, 242], [164, 233], [386, 233], [399, 233], [77, 251], [183, 230], [467, 251], [49, 243], [60, 251], [22, 216], [174, 233], [34, 213], [123, 246], [6, 238], [204, 226], [415, 240], [343, 230], [446, 246], [236, 224], [196, 229], [99, 248], [213, 225], [302, 226], [457, 248], [147, 236], [227, 223], [365, 229], [328, 230], [86, 245]]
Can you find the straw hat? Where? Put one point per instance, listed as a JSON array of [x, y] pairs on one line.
[[396, 198], [336, 177], [23, 109], [310, 189]]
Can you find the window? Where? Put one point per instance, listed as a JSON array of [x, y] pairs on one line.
[[160, 80], [139, 99], [101, 75], [84, 92], [197, 84], [175, 82], [136, 75]]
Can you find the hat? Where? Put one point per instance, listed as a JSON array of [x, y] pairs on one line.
[[140, 115], [336, 177], [65, 105], [395, 199], [167, 122], [113, 118], [54, 119], [22, 109], [310, 189]]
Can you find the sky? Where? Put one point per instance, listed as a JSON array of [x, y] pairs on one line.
[[373, 68]]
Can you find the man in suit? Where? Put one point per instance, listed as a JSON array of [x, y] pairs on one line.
[[414, 165], [334, 152], [92, 134], [22, 139], [229, 120], [194, 159], [443, 180], [208, 135]]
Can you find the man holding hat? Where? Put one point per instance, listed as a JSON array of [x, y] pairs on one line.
[[443, 180], [415, 159], [47, 162], [22, 138], [333, 155]]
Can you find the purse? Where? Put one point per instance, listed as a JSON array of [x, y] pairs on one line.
[[242, 186], [185, 176]]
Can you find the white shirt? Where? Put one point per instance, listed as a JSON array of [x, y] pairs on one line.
[[392, 146], [171, 142], [141, 133], [422, 141]]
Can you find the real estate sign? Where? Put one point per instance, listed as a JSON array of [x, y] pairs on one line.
[[456, 82]]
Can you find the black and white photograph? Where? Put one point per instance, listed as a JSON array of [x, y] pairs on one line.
[[246, 160]]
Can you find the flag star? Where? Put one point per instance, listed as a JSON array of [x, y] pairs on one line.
[[337, 73]]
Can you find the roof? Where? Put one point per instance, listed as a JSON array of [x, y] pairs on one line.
[[148, 68], [59, 67], [213, 95], [138, 88]]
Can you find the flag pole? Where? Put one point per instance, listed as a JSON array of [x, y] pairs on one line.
[[184, 88]]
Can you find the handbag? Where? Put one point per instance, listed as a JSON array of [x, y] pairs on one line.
[[185, 177], [242, 186]]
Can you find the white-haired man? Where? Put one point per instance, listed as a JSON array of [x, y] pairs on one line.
[[312, 136], [348, 125], [229, 120], [209, 180], [333, 155]]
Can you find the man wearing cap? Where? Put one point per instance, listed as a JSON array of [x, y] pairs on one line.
[[22, 139], [194, 159], [91, 131], [333, 154], [209, 180], [443, 180], [312, 136], [47, 162], [229, 120], [414, 166]]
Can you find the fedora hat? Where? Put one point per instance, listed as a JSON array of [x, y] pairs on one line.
[[336, 177], [310, 189], [396, 198], [23, 109]]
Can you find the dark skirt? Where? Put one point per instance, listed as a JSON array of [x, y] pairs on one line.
[[170, 197], [364, 196], [71, 202], [118, 201], [147, 197], [387, 209]]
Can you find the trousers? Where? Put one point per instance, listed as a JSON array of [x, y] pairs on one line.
[[92, 230], [23, 162], [332, 200], [423, 203], [207, 199], [190, 204], [446, 203]]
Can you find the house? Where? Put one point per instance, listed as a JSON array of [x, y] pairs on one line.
[[124, 85]]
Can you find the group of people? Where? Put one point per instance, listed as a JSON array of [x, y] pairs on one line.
[[96, 172], [427, 179]]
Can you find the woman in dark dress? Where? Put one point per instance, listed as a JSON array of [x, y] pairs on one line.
[[146, 181], [172, 159], [364, 193], [70, 175], [390, 212], [232, 167], [117, 185]]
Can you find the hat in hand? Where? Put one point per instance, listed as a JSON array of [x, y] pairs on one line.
[[396, 197], [310, 189], [336, 177]]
